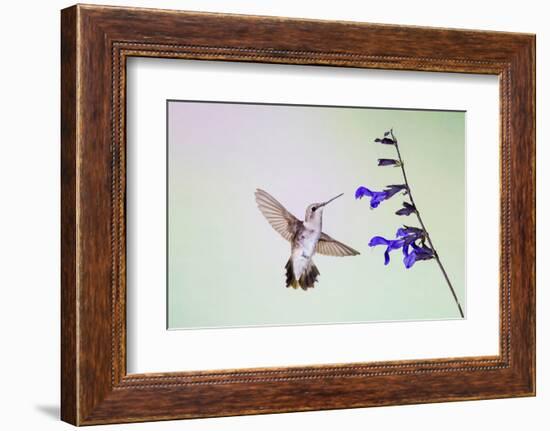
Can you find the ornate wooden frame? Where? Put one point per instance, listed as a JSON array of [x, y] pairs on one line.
[[96, 41]]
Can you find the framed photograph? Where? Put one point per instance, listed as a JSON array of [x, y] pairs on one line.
[[264, 214]]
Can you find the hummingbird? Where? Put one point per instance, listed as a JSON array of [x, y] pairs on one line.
[[306, 238]]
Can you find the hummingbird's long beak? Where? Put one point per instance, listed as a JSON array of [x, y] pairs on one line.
[[330, 200]]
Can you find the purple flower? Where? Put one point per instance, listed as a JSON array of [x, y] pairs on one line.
[[395, 188], [409, 235], [408, 231], [407, 209], [386, 141], [377, 197], [406, 238], [388, 162], [422, 252], [391, 244]]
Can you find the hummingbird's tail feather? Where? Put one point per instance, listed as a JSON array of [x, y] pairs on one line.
[[307, 279], [290, 279]]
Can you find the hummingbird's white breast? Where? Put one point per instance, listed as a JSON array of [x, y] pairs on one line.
[[304, 247]]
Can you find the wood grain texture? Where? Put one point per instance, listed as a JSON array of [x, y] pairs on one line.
[[69, 365], [96, 41]]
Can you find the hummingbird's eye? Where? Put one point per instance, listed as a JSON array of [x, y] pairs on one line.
[[313, 209]]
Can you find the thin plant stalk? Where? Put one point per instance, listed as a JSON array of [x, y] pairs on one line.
[[417, 212]]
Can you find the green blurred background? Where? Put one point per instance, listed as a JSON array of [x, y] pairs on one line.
[[226, 263]]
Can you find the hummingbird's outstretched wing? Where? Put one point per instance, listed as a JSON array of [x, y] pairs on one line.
[[277, 215], [330, 247]]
